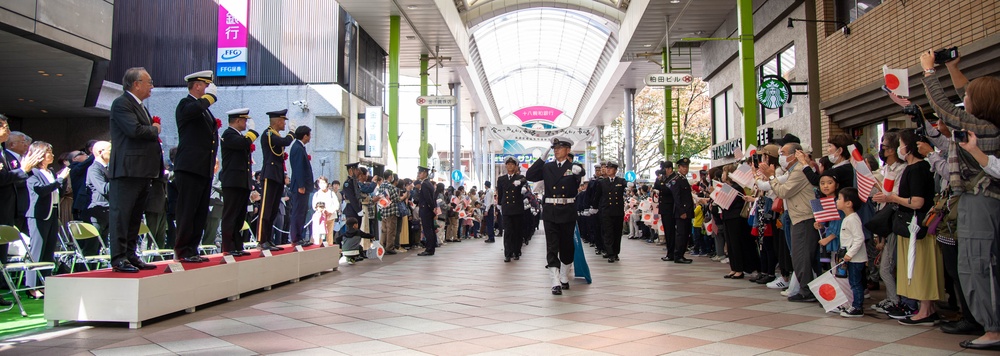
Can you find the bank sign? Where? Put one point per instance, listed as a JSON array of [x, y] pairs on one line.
[[774, 92], [231, 59]]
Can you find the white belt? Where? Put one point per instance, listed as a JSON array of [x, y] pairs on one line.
[[560, 201]]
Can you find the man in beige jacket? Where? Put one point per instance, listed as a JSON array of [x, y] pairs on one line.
[[797, 192]]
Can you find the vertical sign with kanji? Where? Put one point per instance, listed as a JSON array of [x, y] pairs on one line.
[[232, 49]]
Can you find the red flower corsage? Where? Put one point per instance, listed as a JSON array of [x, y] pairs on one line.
[[253, 147], [309, 157], [284, 156], [218, 123], [156, 119]]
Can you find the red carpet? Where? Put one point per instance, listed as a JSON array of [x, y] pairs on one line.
[[213, 260]]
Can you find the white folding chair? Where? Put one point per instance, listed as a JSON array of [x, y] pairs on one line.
[[10, 234]]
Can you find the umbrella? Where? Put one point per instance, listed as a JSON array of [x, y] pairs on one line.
[[911, 254]]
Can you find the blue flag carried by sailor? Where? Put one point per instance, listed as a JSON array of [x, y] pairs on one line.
[[580, 267]]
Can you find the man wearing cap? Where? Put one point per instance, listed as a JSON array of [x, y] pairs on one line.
[[427, 202], [198, 137], [610, 193], [301, 185], [236, 177], [510, 194], [489, 206], [351, 193], [135, 162], [665, 206], [561, 179], [593, 202], [680, 191], [273, 176]]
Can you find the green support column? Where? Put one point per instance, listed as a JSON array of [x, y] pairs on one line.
[[394, 88], [424, 59], [748, 72], [668, 111]]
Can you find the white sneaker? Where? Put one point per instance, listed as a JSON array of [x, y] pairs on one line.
[[718, 258], [725, 260], [793, 286], [401, 250], [778, 283]]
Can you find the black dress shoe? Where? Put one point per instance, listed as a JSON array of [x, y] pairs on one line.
[[683, 260], [142, 265], [125, 267], [565, 286], [238, 253], [191, 259], [517, 258], [307, 243], [557, 290], [970, 345], [269, 246], [490, 241], [962, 327], [5, 303], [506, 259], [425, 253], [611, 260], [667, 258]]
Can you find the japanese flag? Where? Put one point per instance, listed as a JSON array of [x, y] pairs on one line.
[[897, 81], [831, 291]]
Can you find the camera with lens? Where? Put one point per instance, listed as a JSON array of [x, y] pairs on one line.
[[945, 55], [917, 116]]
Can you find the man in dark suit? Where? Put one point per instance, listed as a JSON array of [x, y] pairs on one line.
[[135, 162], [610, 194], [301, 185], [78, 180], [562, 179], [664, 178], [198, 142], [273, 176], [427, 202], [236, 177], [12, 173], [683, 212], [510, 196], [98, 186]]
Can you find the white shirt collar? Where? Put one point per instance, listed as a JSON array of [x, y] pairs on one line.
[[136, 97]]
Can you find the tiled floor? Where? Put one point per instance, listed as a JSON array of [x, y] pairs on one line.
[[466, 300]]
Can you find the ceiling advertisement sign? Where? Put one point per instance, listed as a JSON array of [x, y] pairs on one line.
[[538, 113], [231, 60]]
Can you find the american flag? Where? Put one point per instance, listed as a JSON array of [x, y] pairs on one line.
[[726, 196], [825, 209], [743, 175], [865, 179]]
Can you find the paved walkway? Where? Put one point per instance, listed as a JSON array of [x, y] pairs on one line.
[[466, 300]]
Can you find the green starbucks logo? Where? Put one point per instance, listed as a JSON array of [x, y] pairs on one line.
[[773, 92]]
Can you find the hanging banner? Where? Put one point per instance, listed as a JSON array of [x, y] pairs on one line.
[[509, 132], [231, 60]]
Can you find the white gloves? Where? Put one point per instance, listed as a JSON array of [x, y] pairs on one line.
[[251, 125], [524, 190], [545, 155], [517, 183], [212, 90], [576, 169]]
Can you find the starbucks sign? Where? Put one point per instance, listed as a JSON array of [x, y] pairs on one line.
[[773, 92]]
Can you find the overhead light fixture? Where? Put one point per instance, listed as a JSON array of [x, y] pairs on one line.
[[411, 7], [58, 74], [411, 37], [647, 45], [45, 74], [675, 1], [41, 72], [847, 30], [45, 111]]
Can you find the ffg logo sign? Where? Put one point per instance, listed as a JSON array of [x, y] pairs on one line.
[[231, 54]]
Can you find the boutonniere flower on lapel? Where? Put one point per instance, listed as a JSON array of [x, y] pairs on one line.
[[218, 123], [156, 119], [253, 147], [309, 157], [284, 156]]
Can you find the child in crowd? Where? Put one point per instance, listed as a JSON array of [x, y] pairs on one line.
[[352, 241], [852, 238], [830, 230], [477, 218]]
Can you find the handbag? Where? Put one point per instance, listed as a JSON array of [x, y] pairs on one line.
[[404, 209], [881, 223], [901, 223]]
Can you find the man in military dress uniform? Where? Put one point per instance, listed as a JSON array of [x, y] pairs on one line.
[[273, 175], [236, 178], [352, 196], [594, 219], [665, 206], [610, 193], [510, 194], [194, 165], [427, 202], [683, 212], [561, 180]]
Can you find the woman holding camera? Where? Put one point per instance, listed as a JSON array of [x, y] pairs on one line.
[[979, 205]]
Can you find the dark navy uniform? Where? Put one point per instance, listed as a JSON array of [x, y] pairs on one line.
[[427, 202], [511, 200], [683, 212], [236, 178], [273, 176], [352, 194], [558, 206], [194, 168], [666, 206], [610, 193], [594, 221]]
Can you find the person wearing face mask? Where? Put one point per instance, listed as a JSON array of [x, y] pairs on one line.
[[797, 193], [838, 151]]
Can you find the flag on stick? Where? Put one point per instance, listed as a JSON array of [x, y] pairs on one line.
[[897, 80], [865, 179], [743, 175], [726, 196], [825, 209]]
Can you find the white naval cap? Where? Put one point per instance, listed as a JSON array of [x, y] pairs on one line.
[[235, 113], [205, 76]]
